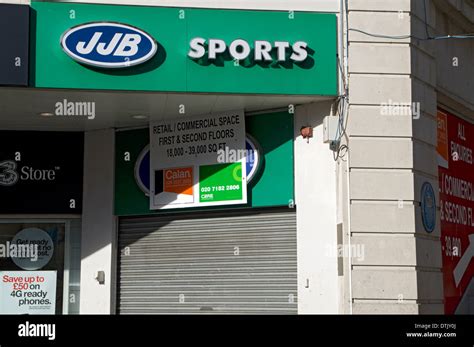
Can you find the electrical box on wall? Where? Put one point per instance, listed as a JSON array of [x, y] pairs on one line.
[[330, 126], [331, 132]]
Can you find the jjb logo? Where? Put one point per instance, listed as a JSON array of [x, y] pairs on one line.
[[108, 45]]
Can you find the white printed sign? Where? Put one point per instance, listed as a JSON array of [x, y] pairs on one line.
[[186, 162], [27, 292], [36, 239]]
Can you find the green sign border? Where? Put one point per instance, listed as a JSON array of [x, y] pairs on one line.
[[171, 70]]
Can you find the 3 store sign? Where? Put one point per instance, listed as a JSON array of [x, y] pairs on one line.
[[10, 175], [117, 45]]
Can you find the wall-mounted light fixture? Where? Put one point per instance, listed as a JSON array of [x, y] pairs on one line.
[[100, 277], [306, 132]]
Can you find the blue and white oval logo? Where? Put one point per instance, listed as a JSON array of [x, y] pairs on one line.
[[428, 207], [142, 165], [108, 45], [142, 170], [253, 157]]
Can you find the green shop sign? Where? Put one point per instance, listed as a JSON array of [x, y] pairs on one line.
[[183, 50], [270, 178], [221, 175]]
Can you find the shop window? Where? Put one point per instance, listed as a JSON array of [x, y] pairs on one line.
[[39, 267]]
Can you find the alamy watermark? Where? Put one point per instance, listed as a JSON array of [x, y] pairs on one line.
[[228, 155], [28, 329], [356, 251], [14, 250], [75, 108], [392, 108]]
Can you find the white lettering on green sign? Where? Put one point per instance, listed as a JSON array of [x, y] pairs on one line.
[[240, 49]]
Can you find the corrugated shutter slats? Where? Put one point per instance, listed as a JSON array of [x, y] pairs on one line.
[[232, 263]]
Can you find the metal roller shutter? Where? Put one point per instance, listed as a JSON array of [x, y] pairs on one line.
[[217, 263]]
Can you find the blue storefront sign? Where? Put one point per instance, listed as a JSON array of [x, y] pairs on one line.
[[14, 36]]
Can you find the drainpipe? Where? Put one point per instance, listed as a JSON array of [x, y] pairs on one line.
[[346, 73], [344, 81]]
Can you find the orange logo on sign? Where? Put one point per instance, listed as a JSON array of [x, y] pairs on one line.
[[443, 139], [179, 180]]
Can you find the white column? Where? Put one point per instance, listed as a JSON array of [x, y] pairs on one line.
[[98, 226], [315, 197]]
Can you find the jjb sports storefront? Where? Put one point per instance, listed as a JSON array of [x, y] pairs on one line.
[[189, 119]]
